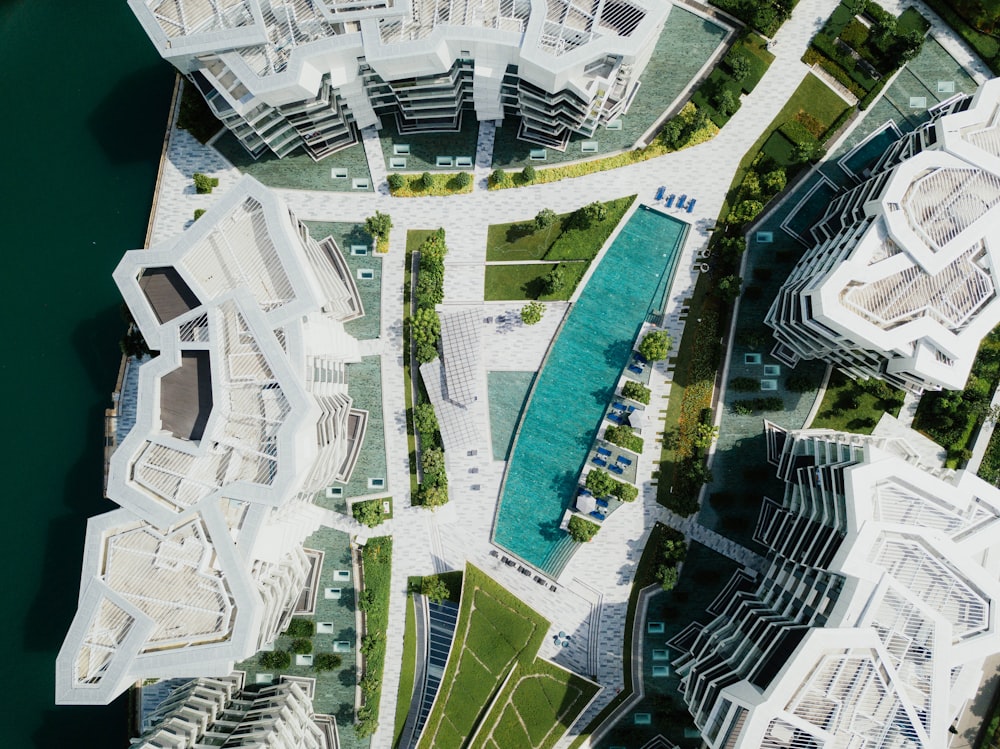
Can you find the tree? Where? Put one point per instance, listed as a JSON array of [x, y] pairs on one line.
[[745, 212], [750, 189], [432, 461], [433, 495], [427, 180], [425, 420], [203, 184], [396, 181], [429, 290], [528, 174], [805, 151], [764, 18], [726, 103], [379, 225], [554, 281], [625, 492], [276, 659], [636, 391], [300, 627], [327, 662], [198, 213], [600, 483], [545, 218], [910, 44], [729, 288], [369, 512], [704, 436], [739, 63], [591, 213], [532, 313], [775, 181], [434, 588], [463, 180], [655, 346], [667, 576], [425, 326], [499, 178], [581, 530], [856, 7]]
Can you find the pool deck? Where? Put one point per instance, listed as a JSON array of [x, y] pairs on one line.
[[593, 591]]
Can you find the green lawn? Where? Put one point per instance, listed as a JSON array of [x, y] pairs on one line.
[[535, 707], [851, 406], [565, 239], [518, 282], [407, 671], [495, 631]]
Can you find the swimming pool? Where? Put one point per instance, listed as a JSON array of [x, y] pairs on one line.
[[577, 381]]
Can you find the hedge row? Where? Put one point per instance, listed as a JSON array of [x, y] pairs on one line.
[[376, 560]]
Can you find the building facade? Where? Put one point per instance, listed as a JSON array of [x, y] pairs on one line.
[[241, 417], [281, 75], [871, 624], [901, 280]]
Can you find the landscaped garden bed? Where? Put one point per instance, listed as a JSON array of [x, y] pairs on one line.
[[856, 405], [376, 559], [977, 22]]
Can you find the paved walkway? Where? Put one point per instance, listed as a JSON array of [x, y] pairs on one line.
[[591, 596]]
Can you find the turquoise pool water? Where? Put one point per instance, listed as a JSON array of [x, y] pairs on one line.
[[576, 383], [508, 392]]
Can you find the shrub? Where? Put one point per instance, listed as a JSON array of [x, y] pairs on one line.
[[667, 576], [327, 661], [554, 281], [434, 588], [600, 483], [655, 345], [625, 492], [302, 645], [379, 225], [636, 391], [593, 212], [275, 659], [623, 436], [726, 103], [499, 178], [368, 513], [425, 420], [198, 213], [739, 64], [432, 495], [744, 384], [300, 627], [528, 174], [798, 382], [463, 179], [581, 530], [545, 218], [203, 184], [396, 181], [432, 463], [750, 405], [532, 313], [745, 212], [366, 599], [425, 326], [426, 180]]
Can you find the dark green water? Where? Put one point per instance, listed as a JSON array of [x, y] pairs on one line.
[[85, 100]]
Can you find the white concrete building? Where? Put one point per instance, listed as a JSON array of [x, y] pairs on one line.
[[871, 625], [218, 712], [901, 282], [241, 418], [299, 73]]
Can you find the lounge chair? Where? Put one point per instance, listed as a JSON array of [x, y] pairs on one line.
[[639, 357], [598, 461], [602, 502], [691, 205], [596, 514], [604, 451], [623, 460], [616, 469], [584, 492], [619, 407], [659, 192], [635, 368], [615, 418], [670, 200], [681, 199]]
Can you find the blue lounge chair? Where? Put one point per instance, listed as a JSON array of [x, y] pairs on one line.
[[691, 205], [639, 357], [598, 461], [623, 460], [619, 406], [604, 451], [584, 492], [599, 516], [634, 368], [615, 418], [670, 200], [601, 502], [659, 192], [616, 469], [681, 199], [630, 409]]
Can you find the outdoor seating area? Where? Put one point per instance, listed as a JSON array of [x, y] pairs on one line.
[[682, 202]]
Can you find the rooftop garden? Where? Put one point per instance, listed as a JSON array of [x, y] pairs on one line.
[[952, 417], [495, 632], [855, 405], [862, 45], [764, 15], [977, 22], [569, 240], [740, 71]]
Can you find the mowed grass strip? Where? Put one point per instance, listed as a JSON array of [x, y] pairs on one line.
[[494, 631], [545, 700], [510, 732], [519, 282]]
